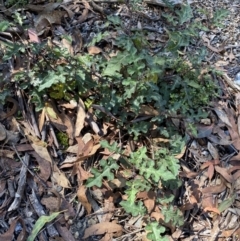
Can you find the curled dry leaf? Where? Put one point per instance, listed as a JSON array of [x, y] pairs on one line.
[[81, 114], [82, 198]]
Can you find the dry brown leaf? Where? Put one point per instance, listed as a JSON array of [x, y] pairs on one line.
[[213, 151], [102, 228], [236, 175], [119, 182], [223, 116], [33, 37], [82, 198], [73, 149], [108, 208], [42, 152], [92, 50], [60, 177], [211, 209], [45, 168], [224, 173], [87, 148], [106, 237], [149, 199], [81, 114], [208, 203], [94, 149], [83, 17], [82, 174], [214, 189], [42, 119], [51, 203], [157, 214], [227, 233], [210, 172], [209, 163], [149, 204]]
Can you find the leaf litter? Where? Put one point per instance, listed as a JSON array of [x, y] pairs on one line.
[[46, 181]]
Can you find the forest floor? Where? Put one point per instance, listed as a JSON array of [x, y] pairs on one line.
[[70, 165]]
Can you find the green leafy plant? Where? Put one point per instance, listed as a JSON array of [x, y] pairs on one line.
[[107, 166], [218, 16], [163, 169], [156, 232]]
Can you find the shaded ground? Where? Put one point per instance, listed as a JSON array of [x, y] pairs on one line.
[[40, 176]]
